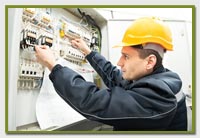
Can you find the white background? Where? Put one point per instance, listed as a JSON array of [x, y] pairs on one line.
[[91, 2]]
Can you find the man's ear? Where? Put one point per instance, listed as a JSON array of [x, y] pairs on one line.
[[151, 62]]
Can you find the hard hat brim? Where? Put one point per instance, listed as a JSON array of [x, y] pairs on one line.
[[121, 45], [137, 40]]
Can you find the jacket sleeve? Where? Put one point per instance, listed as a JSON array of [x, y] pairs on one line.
[[109, 73], [107, 105]]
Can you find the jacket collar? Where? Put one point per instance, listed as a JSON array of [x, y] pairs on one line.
[[158, 70]]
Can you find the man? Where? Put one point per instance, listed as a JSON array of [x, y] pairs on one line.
[[143, 95]]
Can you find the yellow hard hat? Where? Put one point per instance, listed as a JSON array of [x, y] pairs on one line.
[[147, 30]]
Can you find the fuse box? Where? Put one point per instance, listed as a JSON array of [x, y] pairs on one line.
[[43, 26]]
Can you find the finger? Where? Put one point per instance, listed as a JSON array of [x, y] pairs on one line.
[[37, 48], [40, 47], [74, 43], [77, 39], [44, 47]]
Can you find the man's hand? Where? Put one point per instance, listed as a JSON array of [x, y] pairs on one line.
[[45, 56], [81, 45]]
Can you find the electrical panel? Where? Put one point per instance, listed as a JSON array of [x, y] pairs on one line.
[[54, 28]]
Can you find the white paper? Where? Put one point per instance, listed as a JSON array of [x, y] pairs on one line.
[[51, 110]]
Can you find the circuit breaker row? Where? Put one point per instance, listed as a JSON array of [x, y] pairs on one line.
[[30, 37], [29, 83], [31, 69]]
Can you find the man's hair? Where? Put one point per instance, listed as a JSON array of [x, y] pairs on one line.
[[143, 53]]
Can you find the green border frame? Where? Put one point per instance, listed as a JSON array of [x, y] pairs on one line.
[[193, 131]]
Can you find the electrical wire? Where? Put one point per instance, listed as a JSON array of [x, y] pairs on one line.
[[92, 22]]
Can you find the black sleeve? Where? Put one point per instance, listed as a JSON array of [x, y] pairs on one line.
[[109, 73]]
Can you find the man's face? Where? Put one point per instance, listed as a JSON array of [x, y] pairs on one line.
[[132, 66]]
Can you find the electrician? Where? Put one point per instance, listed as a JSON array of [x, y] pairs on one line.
[[143, 95]]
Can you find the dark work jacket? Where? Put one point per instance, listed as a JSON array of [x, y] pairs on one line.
[[146, 104]]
